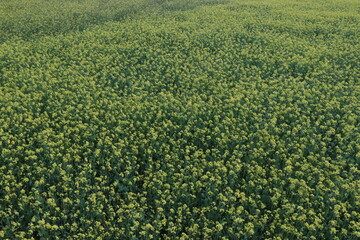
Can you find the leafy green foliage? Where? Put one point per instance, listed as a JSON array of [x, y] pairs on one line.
[[190, 120]]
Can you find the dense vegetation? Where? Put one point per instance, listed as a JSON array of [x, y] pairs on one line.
[[179, 119]]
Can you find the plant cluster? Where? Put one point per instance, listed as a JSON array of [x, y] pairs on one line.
[[205, 120]]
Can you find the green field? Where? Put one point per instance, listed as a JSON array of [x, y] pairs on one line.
[[180, 119]]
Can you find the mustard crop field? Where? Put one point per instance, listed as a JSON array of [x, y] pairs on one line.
[[180, 119]]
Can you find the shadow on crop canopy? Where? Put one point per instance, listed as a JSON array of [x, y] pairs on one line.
[[189, 4], [166, 5]]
